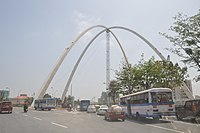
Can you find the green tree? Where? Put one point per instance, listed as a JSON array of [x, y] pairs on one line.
[[186, 39], [113, 90], [47, 96], [69, 99], [149, 74]]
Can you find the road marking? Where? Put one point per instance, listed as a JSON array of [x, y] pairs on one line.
[[41, 112], [168, 129], [37, 118], [58, 125], [71, 112], [187, 123], [58, 113], [25, 115], [173, 125]]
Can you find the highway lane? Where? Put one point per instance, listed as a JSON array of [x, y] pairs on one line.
[[62, 121], [22, 123]]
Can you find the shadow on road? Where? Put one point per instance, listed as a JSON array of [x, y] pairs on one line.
[[114, 120], [147, 121], [4, 113]]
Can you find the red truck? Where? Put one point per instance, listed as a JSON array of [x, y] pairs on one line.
[[6, 106]]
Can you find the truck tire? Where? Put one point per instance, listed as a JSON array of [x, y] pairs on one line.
[[179, 117]]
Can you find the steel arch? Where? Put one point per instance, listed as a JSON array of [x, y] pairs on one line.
[[81, 56]]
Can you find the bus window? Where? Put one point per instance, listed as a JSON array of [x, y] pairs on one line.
[[43, 101], [141, 98], [154, 99], [146, 99], [169, 97], [122, 101], [138, 99], [134, 98], [161, 97], [188, 104]]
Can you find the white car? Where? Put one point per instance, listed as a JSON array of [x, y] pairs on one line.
[[102, 110], [91, 109]]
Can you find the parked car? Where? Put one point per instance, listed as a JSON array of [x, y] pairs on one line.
[[91, 109], [115, 112], [6, 106], [102, 110], [190, 110]]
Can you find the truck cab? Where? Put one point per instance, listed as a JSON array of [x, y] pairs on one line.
[[191, 110], [6, 106]]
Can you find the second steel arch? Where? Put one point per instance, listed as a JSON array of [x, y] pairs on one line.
[[114, 27]]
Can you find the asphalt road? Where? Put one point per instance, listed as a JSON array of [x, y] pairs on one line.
[[62, 121]]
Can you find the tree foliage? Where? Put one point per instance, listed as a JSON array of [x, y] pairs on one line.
[[186, 39], [47, 96], [149, 74], [113, 90]]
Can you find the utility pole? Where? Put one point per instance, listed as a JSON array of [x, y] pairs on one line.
[[52, 91], [71, 90]]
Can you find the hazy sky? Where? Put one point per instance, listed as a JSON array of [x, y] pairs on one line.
[[33, 34]]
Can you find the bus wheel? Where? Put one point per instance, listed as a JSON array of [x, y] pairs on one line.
[[49, 109], [156, 118], [137, 116]]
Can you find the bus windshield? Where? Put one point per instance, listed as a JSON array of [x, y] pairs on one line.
[[161, 97], [51, 101]]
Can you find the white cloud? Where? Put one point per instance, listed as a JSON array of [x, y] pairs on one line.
[[84, 21]]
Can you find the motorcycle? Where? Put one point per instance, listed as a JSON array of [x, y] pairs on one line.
[[25, 108]]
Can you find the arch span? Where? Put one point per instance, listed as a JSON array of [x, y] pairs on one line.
[[116, 27], [81, 56], [66, 51], [52, 73], [184, 87], [141, 37]]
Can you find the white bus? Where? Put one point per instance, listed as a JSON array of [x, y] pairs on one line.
[[155, 103], [45, 103]]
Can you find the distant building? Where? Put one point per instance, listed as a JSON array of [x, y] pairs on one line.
[[189, 85], [103, 98], [197, 97], [21, 99]]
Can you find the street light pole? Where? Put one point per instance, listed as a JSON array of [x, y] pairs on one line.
[[52, 91]]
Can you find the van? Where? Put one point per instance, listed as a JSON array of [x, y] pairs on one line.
[[115, 112], [6, 106]]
